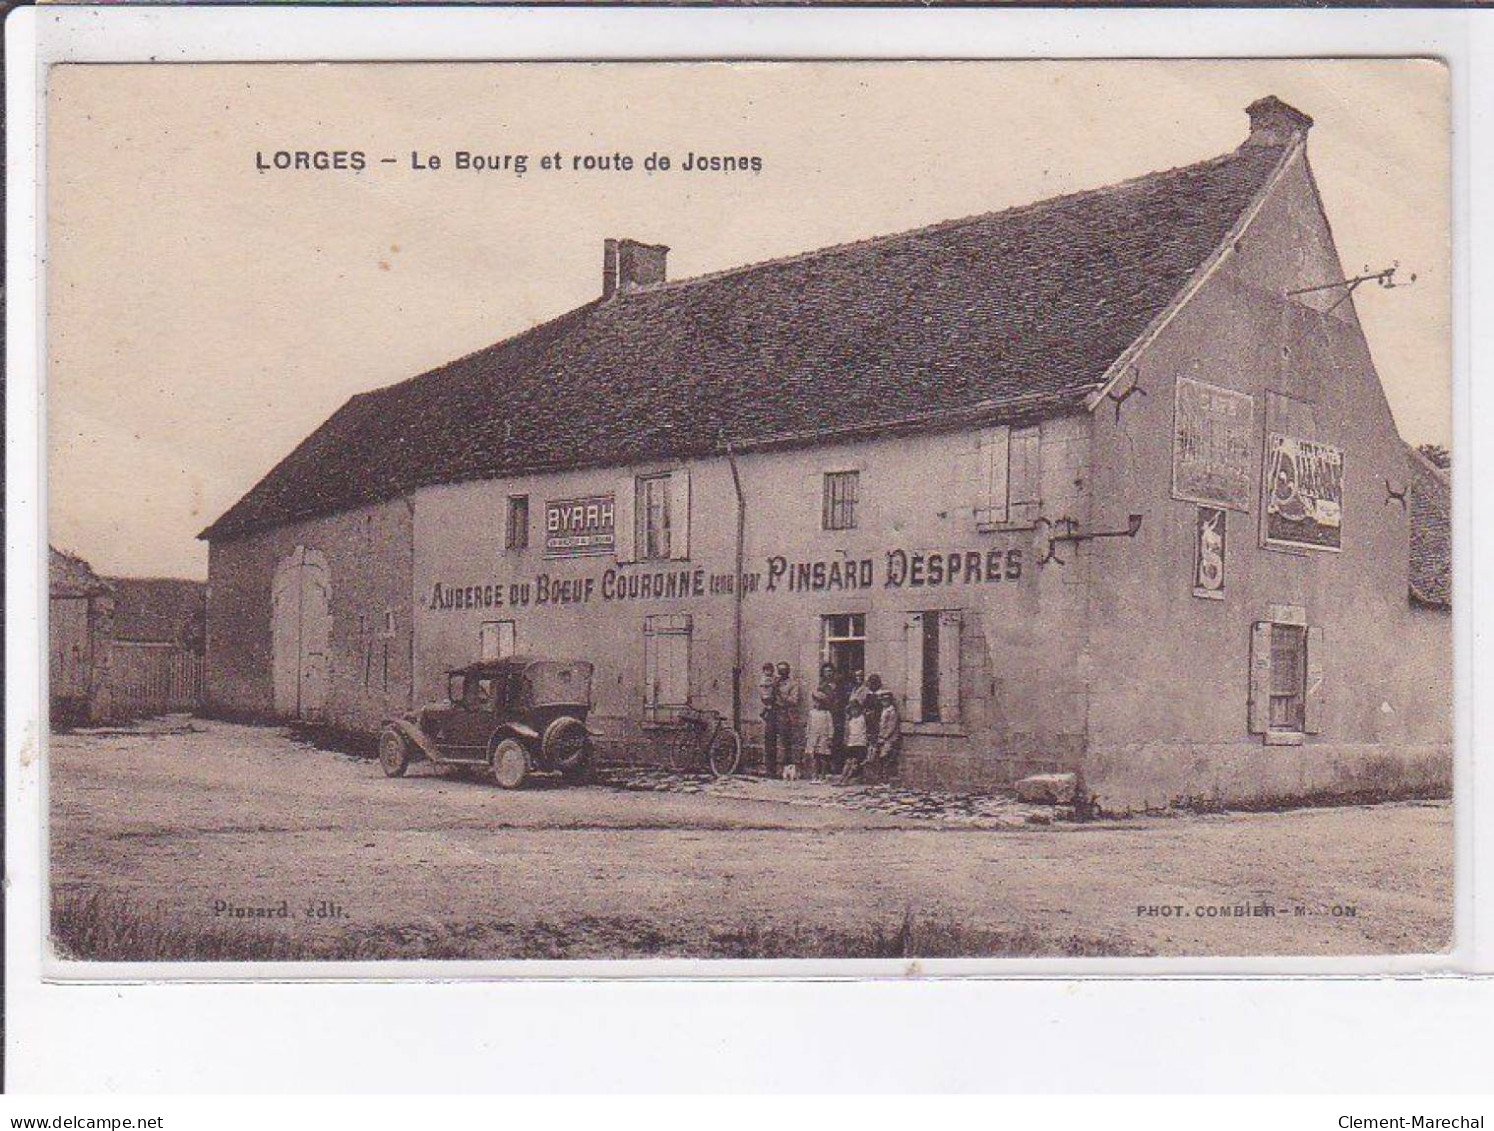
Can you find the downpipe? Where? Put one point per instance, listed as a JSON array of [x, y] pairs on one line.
[[736, 611]]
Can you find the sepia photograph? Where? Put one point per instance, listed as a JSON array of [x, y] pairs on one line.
[[796, 511]]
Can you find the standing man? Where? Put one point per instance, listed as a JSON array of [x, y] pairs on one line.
[[767, 693], [787, 708]]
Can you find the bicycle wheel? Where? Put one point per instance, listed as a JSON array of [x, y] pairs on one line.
[[681, 749], [725, 754]]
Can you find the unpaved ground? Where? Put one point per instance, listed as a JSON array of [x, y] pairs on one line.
[[182, 819]]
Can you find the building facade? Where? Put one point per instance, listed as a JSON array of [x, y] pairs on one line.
[[1102, 484]]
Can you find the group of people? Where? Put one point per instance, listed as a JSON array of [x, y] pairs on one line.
[[852, 728]]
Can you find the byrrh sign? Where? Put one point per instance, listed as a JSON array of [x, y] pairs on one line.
[[579, 527]]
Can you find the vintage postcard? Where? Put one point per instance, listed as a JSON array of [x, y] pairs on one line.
[[772, 511]]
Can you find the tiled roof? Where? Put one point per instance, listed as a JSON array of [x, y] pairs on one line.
[[70, 576], [1000, 315], [1431, 532], [159, 609]]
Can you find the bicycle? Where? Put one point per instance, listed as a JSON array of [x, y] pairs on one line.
[[704, 738]]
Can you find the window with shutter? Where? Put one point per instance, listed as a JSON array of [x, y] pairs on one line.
[[1260, 677], [651, 541], [666, 662], [991, 477], [496, 639], [679, 514], [1024, 482], [949, 667], [932, 679], [516, 535], [623, 523], [1312, 707], [1286, 677], [913, 668]]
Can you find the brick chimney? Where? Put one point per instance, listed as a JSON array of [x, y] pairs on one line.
[[1273, 122], [627, 264]]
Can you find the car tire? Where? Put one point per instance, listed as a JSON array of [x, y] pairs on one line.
[[394, 753], [510, 763], [565, 743], [578, 773]]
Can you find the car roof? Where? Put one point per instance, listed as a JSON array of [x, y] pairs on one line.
[[508, 664]]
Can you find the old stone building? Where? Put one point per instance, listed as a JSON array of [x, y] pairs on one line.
[[1104, 483]]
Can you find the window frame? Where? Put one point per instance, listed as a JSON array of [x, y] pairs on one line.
[[930, 718], [645, 547], [838, 508], [516, 538]]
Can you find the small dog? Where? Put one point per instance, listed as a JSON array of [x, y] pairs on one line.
[[791, 772]]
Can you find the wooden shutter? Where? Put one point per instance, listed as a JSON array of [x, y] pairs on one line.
[[1312, 703], [679, 514], [991, 476], [674, 669], [1260, 677], [913, 673], [949, 666], [650, 667], [624, 527]]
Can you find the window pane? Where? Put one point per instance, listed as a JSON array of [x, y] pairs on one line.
[[930, 667]]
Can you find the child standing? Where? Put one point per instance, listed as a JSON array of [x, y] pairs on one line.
[[855, 740], [819, 734]]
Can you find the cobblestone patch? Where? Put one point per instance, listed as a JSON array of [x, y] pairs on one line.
[[975, 810]]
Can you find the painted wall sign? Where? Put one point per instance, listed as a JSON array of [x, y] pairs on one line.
[[1212, 455], [1304, 489], [897, 569], [1208, 557], [579, 527]]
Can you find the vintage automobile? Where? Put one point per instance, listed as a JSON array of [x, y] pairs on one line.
[[514, 717]]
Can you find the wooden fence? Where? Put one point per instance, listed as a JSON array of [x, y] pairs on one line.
[[153, 679]]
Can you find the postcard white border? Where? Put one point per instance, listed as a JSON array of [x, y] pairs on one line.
[[62, 1027]]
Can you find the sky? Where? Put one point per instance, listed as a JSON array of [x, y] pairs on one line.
[[205, 315]]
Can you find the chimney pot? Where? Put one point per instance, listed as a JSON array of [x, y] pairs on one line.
[[1274, 123], [628, 264]]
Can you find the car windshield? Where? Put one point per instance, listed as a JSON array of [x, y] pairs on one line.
[[475, 693]]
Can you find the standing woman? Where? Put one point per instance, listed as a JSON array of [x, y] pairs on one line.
[[820, 733]]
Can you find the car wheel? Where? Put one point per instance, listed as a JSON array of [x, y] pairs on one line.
[[565, 743], [510, 763], [580, 771], [394, 753]]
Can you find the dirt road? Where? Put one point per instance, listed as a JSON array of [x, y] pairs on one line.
[[195, 824]]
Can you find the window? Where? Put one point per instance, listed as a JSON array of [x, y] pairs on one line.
[[1008, 476], [1024, 476], [841, 491], [932, 681], [653, 517], [1286, 677], [496, 640], [516, 536], [666, 665], [843, 642]]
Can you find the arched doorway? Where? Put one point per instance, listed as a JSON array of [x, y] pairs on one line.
[[301, 619]]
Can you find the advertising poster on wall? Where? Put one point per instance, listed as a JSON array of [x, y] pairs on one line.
[[1208, 557], [1304, 485], [1211, 450], [577, 528]]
